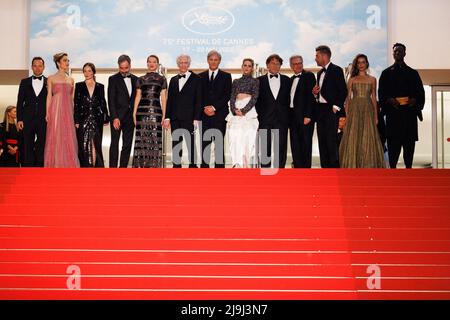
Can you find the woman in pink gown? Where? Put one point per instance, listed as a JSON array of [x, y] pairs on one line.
[[61, 149]]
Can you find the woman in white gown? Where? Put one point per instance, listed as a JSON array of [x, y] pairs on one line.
[[243, 119]]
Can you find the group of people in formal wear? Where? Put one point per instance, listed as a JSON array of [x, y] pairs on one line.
[[59, 124]]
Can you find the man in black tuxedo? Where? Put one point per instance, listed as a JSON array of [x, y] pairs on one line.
[[31, 112], [301, 126], [273, 112], [216, 89], [330, 92], [402, 99], [121, 94], [184, 111]]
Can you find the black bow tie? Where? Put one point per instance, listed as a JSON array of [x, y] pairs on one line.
[[182, 76], [273, 76], [126, 75], [296, 76], [324, 70], [37, 78]]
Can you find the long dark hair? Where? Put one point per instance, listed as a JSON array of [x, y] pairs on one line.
[[355, 70]]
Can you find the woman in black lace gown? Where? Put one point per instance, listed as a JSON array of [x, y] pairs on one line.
[[149, 110], [91, 114]]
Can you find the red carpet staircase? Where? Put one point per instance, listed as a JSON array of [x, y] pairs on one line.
[[224, 234]]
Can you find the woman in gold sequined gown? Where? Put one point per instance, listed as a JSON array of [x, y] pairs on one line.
[[361, 145]]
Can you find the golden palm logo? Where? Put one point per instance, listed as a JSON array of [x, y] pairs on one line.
[[208, 20]]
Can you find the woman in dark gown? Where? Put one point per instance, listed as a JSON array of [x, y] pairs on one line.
[[149, 110], [91, 115], [9, 139]]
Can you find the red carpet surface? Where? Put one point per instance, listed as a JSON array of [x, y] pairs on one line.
[[224, 234]]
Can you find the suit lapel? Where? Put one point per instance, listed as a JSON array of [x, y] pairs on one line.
[[327, 76], [299, 84], [281, 87], [133, 84], [216, 78], [267, 84], [206, 80], [97, 86], [187, 82], [45, 86], [176, 84], [85, 88], [30, 85], [123, 85], [319, 75]]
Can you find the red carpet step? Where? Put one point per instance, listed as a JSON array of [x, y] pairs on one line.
[[224, 234]]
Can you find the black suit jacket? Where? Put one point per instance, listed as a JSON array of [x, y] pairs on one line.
[[270, 110], [216, 94], [28, 105], [304, 100], [83, 103], [334, 87], [119, 100], [185, 105]]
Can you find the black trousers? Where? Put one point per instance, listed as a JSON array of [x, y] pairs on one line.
[[327, 126], [219, 153], [301, 143], [127, 131], [188, 135], [266, 140], [395, 147], [33, 143]]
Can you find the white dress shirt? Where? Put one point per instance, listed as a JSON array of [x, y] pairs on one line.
[[182, 81], [129, 86], [275, 84], [38, 85], [294, 88]]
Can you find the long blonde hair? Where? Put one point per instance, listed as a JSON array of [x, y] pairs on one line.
[[5, 118]]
